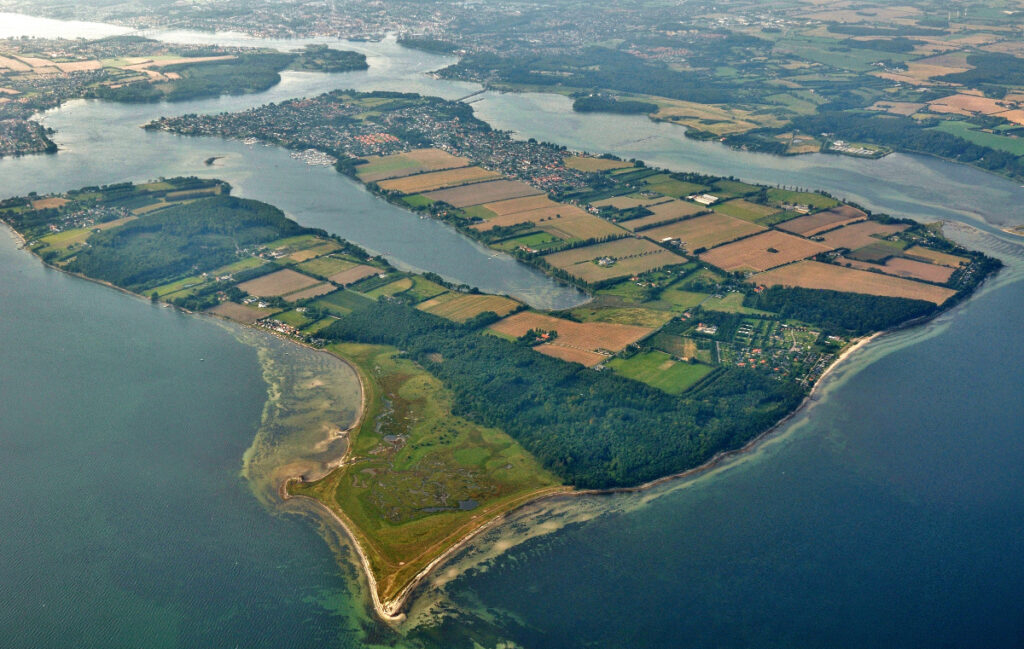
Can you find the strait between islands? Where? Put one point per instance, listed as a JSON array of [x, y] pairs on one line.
[[692, 347]]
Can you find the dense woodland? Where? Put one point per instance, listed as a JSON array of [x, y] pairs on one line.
[[848, 313], [197, 237], [594, 429]]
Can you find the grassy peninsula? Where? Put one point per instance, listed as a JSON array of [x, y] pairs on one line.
[[475, 404]]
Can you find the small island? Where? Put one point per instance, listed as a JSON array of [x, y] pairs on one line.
[[716, 307]]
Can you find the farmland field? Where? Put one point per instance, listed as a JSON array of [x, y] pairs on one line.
[[577, 224], [436, 180], [675, 188], [860, 234], [756, 253], [525, 204], [353, 274], [663, 212], [313, 291], [660, 370], [743, 209], [597, 337], [704, 231], [484, 192], [342, 302], [397, 286], [404, 164], [326, 266], [918, 270], [942, 258], [278, 283], [786, 196], [813, 274], [463, 306], [631, 256], [624, 315], [812, 224]]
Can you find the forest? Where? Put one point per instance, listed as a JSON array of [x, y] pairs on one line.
[[191, 238], [593, 429], [849, 313]]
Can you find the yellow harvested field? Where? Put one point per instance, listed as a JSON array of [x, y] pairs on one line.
[[623, 202], [720, 120], [705, 231], [405, 164], [240, 312], [47, 203], [525, 204], [571, 354], [14, 64], [353, 275], [813, 274], [1015, 116], [812, 224], [918, 270], [662, 212], [579, 225], [597, 338], [463, 306], [942, 258], [159, 63], [587, 163], [904, 108], [436, 180], [281, 282], [485, 192], [860, 234], [963, 104], [79, 66], [621, 258], [762, 251], [312, 291]]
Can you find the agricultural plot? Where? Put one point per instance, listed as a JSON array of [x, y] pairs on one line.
[[313, 291], [278, 283], [763, 251], [599, 338], [813, 274], [619, 258], [342, 302], [659, 370], [424, 289], [588, 163], [426, 182], [322, 248], [918, 270], [326, 266], [353, 275], [483, 192], [745, 210], [704, 231], [878, 251], [626, 202], [580, 225], [731, 188], [379, 168], [463, 306], [395, 287], [663, 213], [623, 315], [52, 202], [861, 234], [516, 205], [942, 258], [664, 184], [572, 354], [240, 312], [783, 197], [812, 224], [964, 104]]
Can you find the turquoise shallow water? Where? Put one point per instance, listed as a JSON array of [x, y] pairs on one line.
[[886, 515]]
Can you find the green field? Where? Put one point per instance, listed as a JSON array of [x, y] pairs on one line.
[[417, 200], [419, 477], [999, 142], [730, 303], [341, 302], [780, 196], [535, 240], [623, 315], [325, 266], [664, 184], [293, 318], [727, 188], [659, 370]]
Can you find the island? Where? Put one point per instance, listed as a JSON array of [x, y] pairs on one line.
[[39, 74], [716, 307]]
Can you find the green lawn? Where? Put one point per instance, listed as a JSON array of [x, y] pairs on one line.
[[731, 303], [780, 196], [659, 370]]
